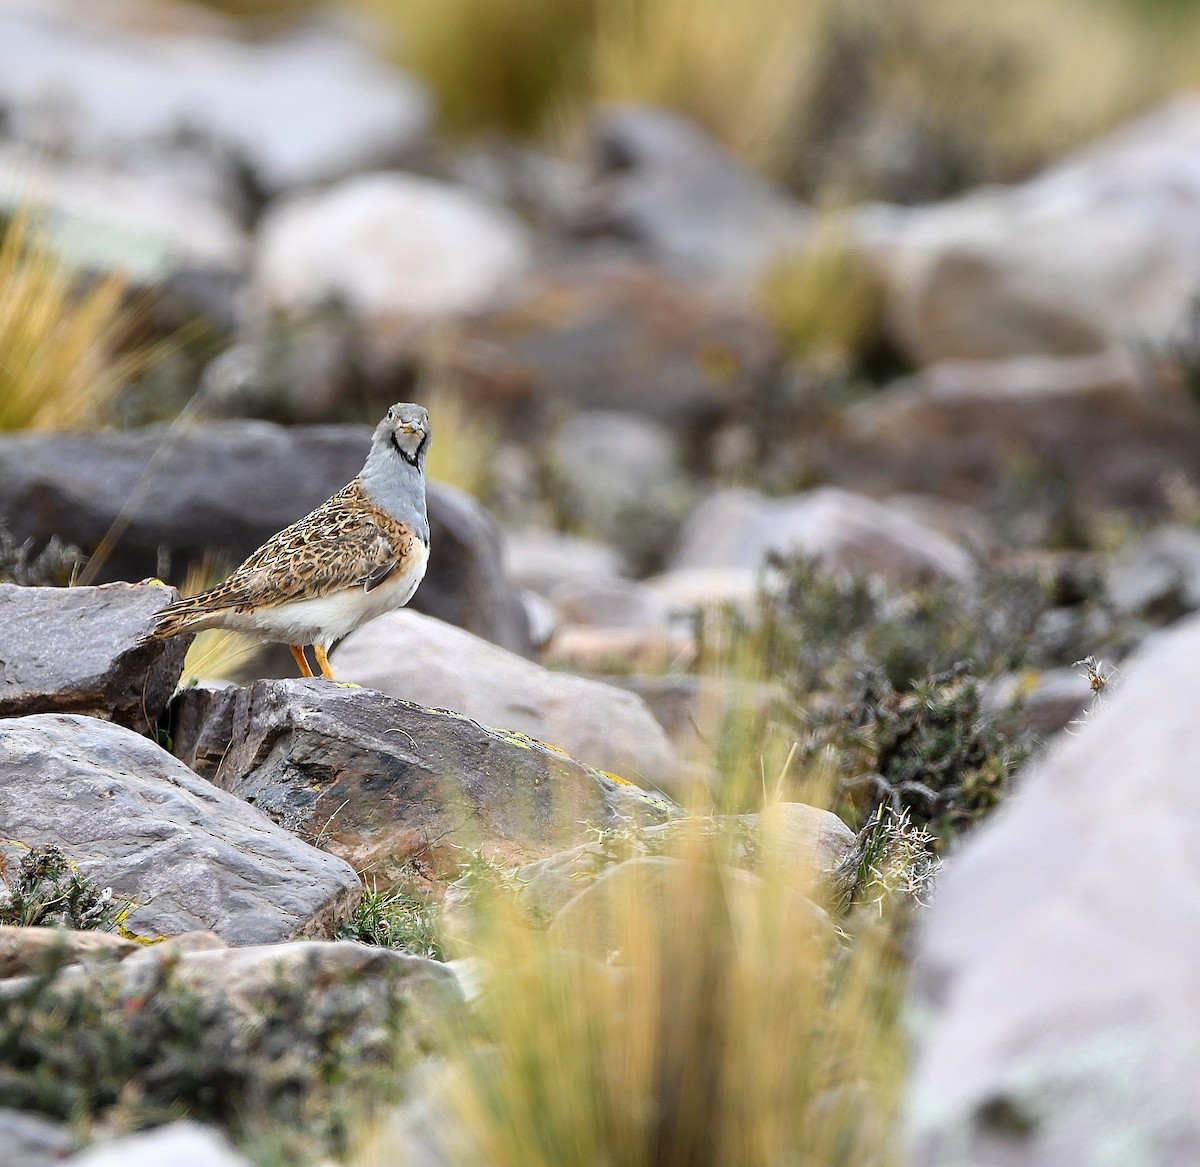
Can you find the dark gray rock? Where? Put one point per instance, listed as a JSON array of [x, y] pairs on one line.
[[1055, 972], [1046, 703], [381, 781], [172, 496], [134, 818], [29, 1140], [1159, 575], [79, 650], [663, 184]]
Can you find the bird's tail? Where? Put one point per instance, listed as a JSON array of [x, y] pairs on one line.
[[190, 614]]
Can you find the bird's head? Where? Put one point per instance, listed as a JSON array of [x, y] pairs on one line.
[[405, 432]]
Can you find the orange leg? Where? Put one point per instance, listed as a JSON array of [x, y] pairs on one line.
[[323, 661], [301, 659]]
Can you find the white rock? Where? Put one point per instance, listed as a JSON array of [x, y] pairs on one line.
[[420, 659], [840, 531], [1102, 248], [391, 246], [1057, 970], [181, 1144], [302, 108]]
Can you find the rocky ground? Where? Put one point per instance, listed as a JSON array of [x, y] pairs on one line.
[[883, 510]]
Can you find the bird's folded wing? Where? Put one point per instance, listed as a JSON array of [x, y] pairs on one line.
[[335, 547]]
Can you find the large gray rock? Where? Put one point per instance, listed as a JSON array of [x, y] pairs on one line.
[[182, 1144], [965, 429], [28, 1140], [1055, 973], [393, 248], [225, 488], [418, 659], [382, 781], [1103, 248], [837, 530], [293, 110], [80, 650], [190, 856], [662, 183]]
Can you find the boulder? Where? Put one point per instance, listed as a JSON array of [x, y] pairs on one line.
[[291, 110], [29, 1140], [25, 950], [618, 335], [1158, 575], [393, 248], [978, 431], [1054, 971], [837, 530], [415, 658], [1103, 248], [182, 1144], [381, 781], [189, 856], [618, 475], [540, 560], [1045, 702], [175, 495], [80, 650], [661, 183]]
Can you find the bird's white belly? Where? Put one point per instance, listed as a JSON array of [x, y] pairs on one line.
[[324, 619]]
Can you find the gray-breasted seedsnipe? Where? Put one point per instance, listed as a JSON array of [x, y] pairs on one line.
[[358, 555]]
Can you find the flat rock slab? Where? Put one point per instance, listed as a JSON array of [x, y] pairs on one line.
[[191, 857], [1057, 970], [79, 650], [224, 488], [380, 781]]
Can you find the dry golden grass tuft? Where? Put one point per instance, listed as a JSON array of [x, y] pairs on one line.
[[215, 655], [462, 453], [63, 355]]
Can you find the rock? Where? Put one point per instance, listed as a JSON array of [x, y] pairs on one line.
[[133, 818], [23, 950], [225, 488], [691, 589], [290, 111], [154, 224], [592, 648], [1052, 971], [182, 1144], [813, 842], [79, 650], [394, 248], [29, 1140], [660, 182], [619, 335], [1047, 702], [963, 430], [541, 560], [611, 603], [1100, 249], [382, 781], [418, 659], [593, 920], [1158, 575], [837, 530], [618, 476]]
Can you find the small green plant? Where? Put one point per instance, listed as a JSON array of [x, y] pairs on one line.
[[927, 751], [54, 566], [48, 891], [128, 1052], [401, 916]]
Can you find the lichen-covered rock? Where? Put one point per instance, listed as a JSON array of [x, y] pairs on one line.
[[1055, 971], [133, 818], [80, 650], [381, 781], [414, 658]]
